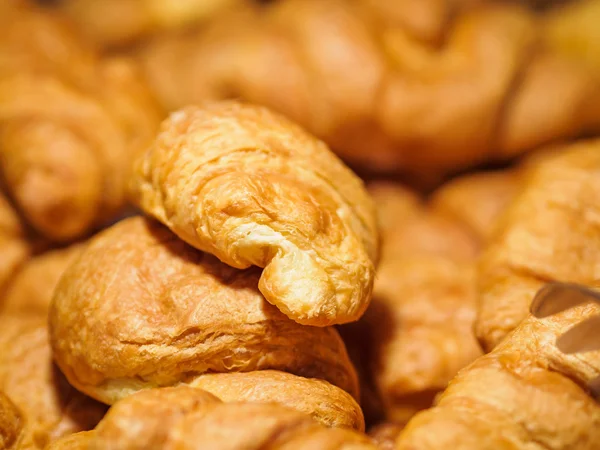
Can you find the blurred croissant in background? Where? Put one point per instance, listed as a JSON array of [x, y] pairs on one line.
[[70, 124], [426, 88]]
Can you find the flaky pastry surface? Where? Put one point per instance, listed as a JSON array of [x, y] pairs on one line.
[[140, 308], [252, 188]]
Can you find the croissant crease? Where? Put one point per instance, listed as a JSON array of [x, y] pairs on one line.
[[550, 233], [70, 125], [437, 88], [187, 418], [252, 188], [140, 308]]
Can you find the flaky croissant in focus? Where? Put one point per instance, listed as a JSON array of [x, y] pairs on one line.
[[525, 394], [550, 233], [196, 321], [252, 188], [381, 93], [70, 125], [184, 418]]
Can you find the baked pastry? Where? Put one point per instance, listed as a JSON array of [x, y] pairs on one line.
[[252, 188], [525, 394], [70, 125], [420, 320], [186, 418], [195, 321], [13, 242], [386, 93], [116, 23], [30, 289], [550, 233], [49, 407], [384, 435], [11, 423]]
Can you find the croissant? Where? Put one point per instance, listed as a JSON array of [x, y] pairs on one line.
[[384, 95], [70, 125], [424, 301], [48, 406], [525, 394], [116, 23], [252, 188], [186, 418], [140, 309], [550, 233]]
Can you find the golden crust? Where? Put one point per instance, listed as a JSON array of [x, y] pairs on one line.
[[252, 188], [30, 290], [49, 406], [524, 394], [183, 418], [70, 125], [428, 87], [165, 313], [384, 435], [326, 403], [550, 233]]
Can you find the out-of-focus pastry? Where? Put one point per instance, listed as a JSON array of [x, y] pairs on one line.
[[116, 23], [70, 125], [572, 27], [424, 304], [196, 321], [49, 407], [386, 93], [384, 435], [30, 289], [11, 423], [551, 232], [525, 394], [254, 189], [13, 242], [185, 418]]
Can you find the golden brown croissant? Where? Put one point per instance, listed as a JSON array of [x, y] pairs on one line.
[[184, 418], [140, 309], [49, 406], [380, 96], [115, 23], [252, 188], [525, 394], [424, 302], [70, 125], [550, 233]]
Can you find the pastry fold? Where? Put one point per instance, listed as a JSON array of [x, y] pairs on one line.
[[252, 188]]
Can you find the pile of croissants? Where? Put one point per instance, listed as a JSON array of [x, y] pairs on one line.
[[298, 224]]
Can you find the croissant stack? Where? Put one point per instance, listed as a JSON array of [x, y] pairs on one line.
[[70, 125], [223, 178], [383, 91], [186, 418]]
